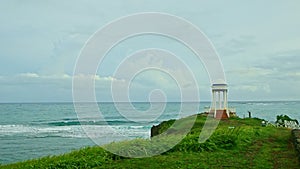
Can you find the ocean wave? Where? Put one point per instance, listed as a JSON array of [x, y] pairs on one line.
[[75, 131], [94, 122]]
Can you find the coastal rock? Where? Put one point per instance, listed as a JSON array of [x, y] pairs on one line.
[[296, 140]]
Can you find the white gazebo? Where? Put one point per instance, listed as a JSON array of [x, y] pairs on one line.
[[219, 107]]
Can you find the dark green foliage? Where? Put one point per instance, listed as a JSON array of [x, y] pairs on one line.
[[162, 127], [282, 118]]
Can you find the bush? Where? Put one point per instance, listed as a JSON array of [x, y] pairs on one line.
[[281, 118]]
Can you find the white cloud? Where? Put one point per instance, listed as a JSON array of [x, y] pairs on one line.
[[62, 77], [29, 75], [97, 78], [253, 72], [107, 78], [39, 78], [294, 74], [253, 88]]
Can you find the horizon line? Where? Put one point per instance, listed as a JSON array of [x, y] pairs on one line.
[[206, 101]]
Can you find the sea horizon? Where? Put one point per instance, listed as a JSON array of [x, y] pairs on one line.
[[205, 101]]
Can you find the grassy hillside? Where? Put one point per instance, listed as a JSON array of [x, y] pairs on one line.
[[237, 143]]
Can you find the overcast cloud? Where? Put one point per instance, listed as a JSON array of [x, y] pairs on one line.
[[257, 42]]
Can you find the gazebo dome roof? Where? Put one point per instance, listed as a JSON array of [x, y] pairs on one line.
[[219, 82], [219, 85]]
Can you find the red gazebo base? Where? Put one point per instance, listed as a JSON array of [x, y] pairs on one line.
[[220, 114]]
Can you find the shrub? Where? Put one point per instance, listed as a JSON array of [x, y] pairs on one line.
[[281, 118]]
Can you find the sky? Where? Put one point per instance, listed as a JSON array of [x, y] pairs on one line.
[[257, 43]]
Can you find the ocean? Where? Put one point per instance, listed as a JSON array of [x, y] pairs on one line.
[[32, 130]]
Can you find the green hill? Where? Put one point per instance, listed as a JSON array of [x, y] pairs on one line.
[[236, 143]]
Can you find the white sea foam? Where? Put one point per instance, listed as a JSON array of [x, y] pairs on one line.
[[76, 131]]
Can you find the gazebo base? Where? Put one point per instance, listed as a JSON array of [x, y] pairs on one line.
[[220, 114]]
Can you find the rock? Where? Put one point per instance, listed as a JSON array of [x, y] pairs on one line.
[[296, 138]]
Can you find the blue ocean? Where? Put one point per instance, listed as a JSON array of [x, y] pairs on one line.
[[32, 130]]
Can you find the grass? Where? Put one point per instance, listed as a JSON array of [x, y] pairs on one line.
[[236, 143]]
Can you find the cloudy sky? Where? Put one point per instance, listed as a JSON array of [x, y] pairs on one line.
[[258, 43]]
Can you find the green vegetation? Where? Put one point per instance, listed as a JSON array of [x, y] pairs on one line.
[[236, 143], [281, 118]]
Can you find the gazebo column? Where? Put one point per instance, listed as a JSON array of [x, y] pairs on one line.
[[225, 99], [220, 101], [214, 102], [226, 103]]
